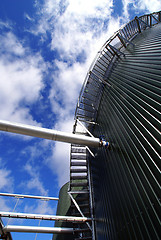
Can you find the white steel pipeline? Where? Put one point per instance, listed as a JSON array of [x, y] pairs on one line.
[[49, 134], [44, 217], [28, 196], [33, 229]]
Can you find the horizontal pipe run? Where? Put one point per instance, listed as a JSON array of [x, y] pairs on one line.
[[28, 196], [48, 134], [44, 217], [31, 229]]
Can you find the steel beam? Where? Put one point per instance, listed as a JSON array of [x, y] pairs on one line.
[[31, 229], [48, 134], [44, 217]]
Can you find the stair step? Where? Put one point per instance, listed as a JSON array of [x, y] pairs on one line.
[[78, 184], [78, 159], [84, 238], [78, 177], [78, 156], [77, 146], [78, 150], [78, 170], [79, 192], [79, 163]]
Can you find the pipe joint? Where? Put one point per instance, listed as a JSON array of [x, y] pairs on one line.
[[103, 142]]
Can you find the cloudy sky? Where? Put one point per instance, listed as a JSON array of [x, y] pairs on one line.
[[46, 49]]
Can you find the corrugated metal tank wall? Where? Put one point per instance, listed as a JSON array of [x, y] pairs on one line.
[[126, 176]]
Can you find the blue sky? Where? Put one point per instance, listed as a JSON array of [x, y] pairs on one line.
[[46, 49]]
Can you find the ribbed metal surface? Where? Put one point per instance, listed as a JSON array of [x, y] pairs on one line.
[[126, 177], [120, 99]]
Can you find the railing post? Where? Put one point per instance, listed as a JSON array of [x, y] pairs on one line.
[[150, 20], [137, 21], [159, 16]]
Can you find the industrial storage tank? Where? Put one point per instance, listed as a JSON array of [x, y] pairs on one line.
[[120, 99], [114, 189]]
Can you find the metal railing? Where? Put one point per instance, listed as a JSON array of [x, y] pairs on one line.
[[97, 76]]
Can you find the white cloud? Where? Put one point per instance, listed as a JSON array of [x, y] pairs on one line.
[[78, 31], [6, 185], [40, 207], [34, 181], [59, 160], [6, 24], [21, 79], [80, 24], [4, 205], [72, 24], [10, 43], [27, 16], [6, 181], [148, 5], [126, 7], [65, 88]]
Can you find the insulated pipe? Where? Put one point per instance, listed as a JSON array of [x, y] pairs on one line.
[[31, 229], [48, 134], [44, 217]]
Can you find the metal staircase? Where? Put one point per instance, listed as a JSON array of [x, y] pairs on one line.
[[79, 190]]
